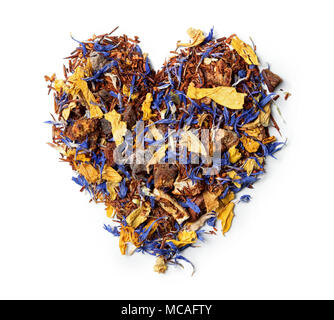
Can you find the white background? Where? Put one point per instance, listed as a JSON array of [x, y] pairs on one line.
[[52, 244]]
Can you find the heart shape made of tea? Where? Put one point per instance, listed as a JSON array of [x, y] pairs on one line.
[[166, 151]]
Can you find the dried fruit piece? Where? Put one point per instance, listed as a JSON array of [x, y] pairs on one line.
[[271, 79], [164, 175]]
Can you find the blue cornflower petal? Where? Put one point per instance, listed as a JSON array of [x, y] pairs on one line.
[[209, 36], [123, 190], [245, 198], [113, 230], [84, 50], [191, 205], [212, 222]]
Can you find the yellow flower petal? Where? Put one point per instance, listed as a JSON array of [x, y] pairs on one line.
[[263, 118], [79, 157], [229, 197], [110, 211], [95, 111], [126, 92], [225, 214], [128, 234], [225, 96], [197, 37], [110, 174], [250, 144], [111, 189], [146, 107], [245, 51], [228, 222], [89, 172], [201, 118], [251, 164], [78, 85], [233, 175], [60, 85], [66, 112], [184, 237], [265, 115], [187, 236], [118, 127], [235, 155]]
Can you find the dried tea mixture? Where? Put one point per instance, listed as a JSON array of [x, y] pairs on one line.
[[166, 151]]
